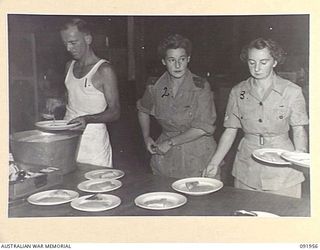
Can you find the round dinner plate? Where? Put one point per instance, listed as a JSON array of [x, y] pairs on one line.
[[99, 185], [265, 214], [55, 125], [160, 200], [101, 202], [53, 197], [104, 174], [197, 185], [298, 158], [271, 155]]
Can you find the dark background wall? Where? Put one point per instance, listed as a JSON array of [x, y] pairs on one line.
[[217, 41]]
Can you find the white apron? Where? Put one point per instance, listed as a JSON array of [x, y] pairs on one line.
[[85, 99]]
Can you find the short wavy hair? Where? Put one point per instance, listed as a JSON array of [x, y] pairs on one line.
[[275, 49], [81, 24], [174, 42]]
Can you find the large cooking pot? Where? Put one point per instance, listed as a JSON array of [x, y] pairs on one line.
[[34, 150]]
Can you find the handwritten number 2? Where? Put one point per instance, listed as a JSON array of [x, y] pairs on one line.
[[165, 92]]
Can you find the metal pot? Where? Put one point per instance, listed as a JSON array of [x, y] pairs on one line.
[[34, 150]]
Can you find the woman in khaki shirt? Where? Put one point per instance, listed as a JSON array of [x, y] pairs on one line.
[[264, 106], [183, 105]]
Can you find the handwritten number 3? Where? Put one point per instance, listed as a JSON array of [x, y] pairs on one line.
[[165, 92], [242, 94]]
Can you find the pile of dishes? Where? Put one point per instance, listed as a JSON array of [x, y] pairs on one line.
[[282, 157]]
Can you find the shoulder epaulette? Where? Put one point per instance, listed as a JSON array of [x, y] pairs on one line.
[[152, 80], [199, 81]]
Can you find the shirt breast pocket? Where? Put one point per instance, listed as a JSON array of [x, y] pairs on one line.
[[185, 113], [280, 112]]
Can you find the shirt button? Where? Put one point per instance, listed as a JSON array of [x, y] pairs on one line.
[[260, 103], [260, 120], [281, 116]]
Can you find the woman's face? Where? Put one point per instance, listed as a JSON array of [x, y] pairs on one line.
[[260, 63], [176, 62]]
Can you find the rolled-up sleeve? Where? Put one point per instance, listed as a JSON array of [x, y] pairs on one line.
[[298, 112], [231, 118], [146, 103], [205, 115]]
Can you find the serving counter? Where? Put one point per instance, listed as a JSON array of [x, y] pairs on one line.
[[220, 203]]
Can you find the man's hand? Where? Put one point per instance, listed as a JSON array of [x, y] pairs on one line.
[[82, 123]]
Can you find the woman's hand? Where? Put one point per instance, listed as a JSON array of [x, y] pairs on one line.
[[211, 170], [163, 147], [150, 145]]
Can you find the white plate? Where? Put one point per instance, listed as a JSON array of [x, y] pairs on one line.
[[160, 200], [53, 197], [104, 174], [103, 203], [270, 155], [56, 125], [197, 185], [265, 214], [99, 185], [297, 158], [246, 213]]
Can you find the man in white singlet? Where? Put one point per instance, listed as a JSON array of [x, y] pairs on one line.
[[93, 98]]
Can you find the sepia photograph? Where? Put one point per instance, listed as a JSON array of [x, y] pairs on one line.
[[159, 115], [155, 126]]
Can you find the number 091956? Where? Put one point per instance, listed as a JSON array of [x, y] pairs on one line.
[[313, 246]]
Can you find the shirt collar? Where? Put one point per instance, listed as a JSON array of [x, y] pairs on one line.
[[187, 84], [278, 85]]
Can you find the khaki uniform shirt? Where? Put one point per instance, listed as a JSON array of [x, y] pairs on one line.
[[192, 107], [271, 117]]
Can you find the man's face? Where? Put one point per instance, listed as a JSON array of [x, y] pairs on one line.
[[260, 63], [76, 42], [176, 61]]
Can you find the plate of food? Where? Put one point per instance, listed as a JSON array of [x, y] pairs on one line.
[[160, 200], [298, 158], [254, 213], [55, 125], [53, 197], [271, 155], [96, 202], [99, 185], [197, 185], [104, 174]]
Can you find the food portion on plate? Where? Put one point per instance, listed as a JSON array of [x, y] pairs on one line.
[[254, 213], [99, 185], [197, 185], [53, 125], [96, 202], [270, 155], [53, 197], [104, 174], [160, 200], [297, 158]]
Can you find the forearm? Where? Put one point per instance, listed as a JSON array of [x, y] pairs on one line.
[[224, 145], [300, 138], [187, 136], [144, 121], [109, 115]]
